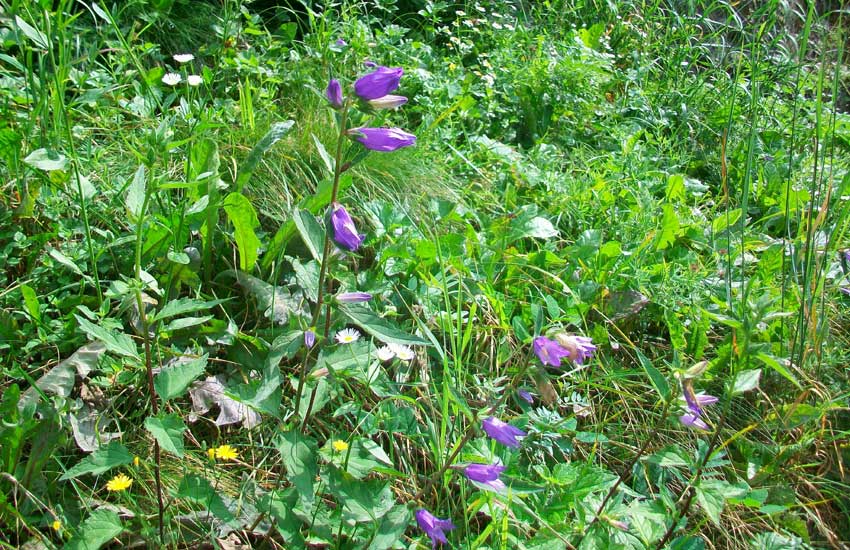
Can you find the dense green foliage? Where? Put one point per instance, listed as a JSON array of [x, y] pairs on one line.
[[667, 178]]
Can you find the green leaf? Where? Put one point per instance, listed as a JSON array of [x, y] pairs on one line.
[[98, 529], [326, 158], [746, 380], [362, 501], [38, 38], [528, 224], [111, 456], [184, 305], [300, 457], [392, 527], [47, 160], [31, 302], [242, 215], [168, 430], [669, 227], [711, 501], [778, 366], [185, 322], [119, 342], [281, 505], [311, 232], [658, 381], [307, 277], [675, 188], [275, 133], [173, 381], [196, 489], [134, 200], [363, 317]]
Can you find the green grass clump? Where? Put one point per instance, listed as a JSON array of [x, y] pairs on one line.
[[622, 232]]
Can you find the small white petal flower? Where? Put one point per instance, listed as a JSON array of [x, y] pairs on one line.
[[183, 57], [385, 353], [402, 352], [194, 80], [171, 79], [347, 336]]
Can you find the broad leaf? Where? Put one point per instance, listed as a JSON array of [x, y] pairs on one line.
[[195, 488], [379, 328], [300, 457], [47, 160], [275, 133], [173, 381], [168, 430], [391, 529], [116, 342], [184, 305], [311, 233], [111, 456], [99, 528], [134, 200], [242, 215], [746, 380]]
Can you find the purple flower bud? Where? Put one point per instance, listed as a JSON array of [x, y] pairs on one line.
[[353, 297], [486, 474], [369, 64], [378, 83], [334, 93], [526, 396], [345, 234], [502, 432], [383, 139], [340, 42], [388, 102], [549, 351], [309, 338], [433, 526]]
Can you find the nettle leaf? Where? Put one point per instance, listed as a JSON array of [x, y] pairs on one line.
[[173, 381], [168, 430], [242, 215], [47, 160], [670, 227], [300, 457], [116, 342], [184, 305], [111, 456], [196, 489], [99, 528], [364, 318], [746, 380], [392, 527]]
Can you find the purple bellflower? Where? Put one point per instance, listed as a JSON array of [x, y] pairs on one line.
[[334, 93], [433, 526], [692, 420], [486, 474], [309, 338], [549, 351], [345, 234], [502, 432], [695, 404], [383, 139], [340, 42], [526, 396], [378, 83], [353, 297], [581, 348]]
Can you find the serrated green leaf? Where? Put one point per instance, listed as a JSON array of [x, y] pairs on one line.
[[746, 380], [111, 456], [168, 431], [116, 342], [184, 305], [173, 381], [364, 318], [655, 377], [669, 227], [98, 529], [196, 489], [134, 200], [299, 454]]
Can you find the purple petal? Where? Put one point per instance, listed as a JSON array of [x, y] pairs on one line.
[[345, 233], [483, 473], [353, 297], [693, 421], [388, 102], [549, 351], [383, 139], [309, 338], [502, 432], [378, 83]]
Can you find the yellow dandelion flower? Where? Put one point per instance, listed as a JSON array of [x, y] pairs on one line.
[[226, 452], [119, 483], [56, 525], [211, 453], [339, 446]]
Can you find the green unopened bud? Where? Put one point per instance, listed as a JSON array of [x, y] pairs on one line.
[[696, 370]]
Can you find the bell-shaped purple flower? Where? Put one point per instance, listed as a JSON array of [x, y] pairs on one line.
[[334, 93], [388, 102], [383, 139], [581, 348], [353, 297], [345, 234], [502, 432], [378, 83], [692, 420], [433, 526], [486, 474], [309, 338], [526, 396], [549, 351]]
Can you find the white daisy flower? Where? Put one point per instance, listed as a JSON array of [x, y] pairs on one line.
[[194, 80], [183, 57], [385, 353], [347, 336], [402, 352], [171, 79]]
